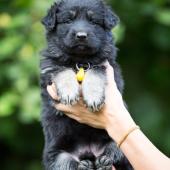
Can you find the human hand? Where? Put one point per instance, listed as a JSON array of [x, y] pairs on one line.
[[79, 112], [113, 116]]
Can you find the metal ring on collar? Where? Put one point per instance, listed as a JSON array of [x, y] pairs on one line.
[[78, 67]]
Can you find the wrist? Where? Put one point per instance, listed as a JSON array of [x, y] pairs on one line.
[[126, 135], [119, 124]]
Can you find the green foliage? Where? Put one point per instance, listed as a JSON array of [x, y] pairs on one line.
[[143, 37]]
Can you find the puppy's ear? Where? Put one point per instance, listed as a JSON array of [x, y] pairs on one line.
[[50, 20], [111, 19]]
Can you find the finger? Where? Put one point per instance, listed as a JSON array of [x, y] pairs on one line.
[[76, 118], [53, 87], [69, 111], [109, 70], [107, 64], [52, 91], [113, 168], [110, 75], [64, 108]]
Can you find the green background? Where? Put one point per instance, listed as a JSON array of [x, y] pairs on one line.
[[143, 38]]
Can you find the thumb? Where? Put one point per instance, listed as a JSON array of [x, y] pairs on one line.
[[52, 91], [113, 168]]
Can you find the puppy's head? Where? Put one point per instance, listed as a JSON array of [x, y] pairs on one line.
[[80, 26]]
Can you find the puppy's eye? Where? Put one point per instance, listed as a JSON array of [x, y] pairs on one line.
[[72, 14], [90, 15], [94, 18], [66, 16]]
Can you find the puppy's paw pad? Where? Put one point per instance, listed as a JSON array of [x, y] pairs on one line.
[[103, 163], [85, 165]]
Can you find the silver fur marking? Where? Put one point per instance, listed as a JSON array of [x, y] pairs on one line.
[[46, 70]]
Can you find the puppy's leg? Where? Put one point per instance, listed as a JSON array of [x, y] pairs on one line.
[[111, 156], [93, 88], [67, 86], [63, 161]]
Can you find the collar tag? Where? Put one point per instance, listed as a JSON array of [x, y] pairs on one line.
[[81, 68]]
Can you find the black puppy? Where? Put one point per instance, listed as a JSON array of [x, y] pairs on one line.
[[78, 34]]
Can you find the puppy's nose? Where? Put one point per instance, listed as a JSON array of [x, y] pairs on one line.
[[81, 35]]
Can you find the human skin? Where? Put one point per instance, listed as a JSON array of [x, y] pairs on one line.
[[116, 120]]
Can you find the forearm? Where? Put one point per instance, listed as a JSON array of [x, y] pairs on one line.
[[142, 154]]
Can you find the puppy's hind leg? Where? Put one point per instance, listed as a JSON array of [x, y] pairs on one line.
[[64, 161], [112, 155]]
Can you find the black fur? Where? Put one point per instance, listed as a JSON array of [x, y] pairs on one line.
[[63, 135]]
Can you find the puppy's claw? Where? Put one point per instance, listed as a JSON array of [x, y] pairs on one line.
[[68, 99], [73, 102], [94, 107]]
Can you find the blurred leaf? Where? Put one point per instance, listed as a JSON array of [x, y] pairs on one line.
[[5, 20], [21, 4], [30, 105], [161, 37], [119, 33], [26, 51], [8, 128], [34, 165], [163, 16], [19, 20], [7, 102], [9, 45]]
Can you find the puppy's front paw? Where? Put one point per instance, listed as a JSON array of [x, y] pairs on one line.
[[93, 89], [67, 87], [85, 165], [103, 163]]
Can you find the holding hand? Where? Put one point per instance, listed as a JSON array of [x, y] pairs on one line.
[[110, 117]]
